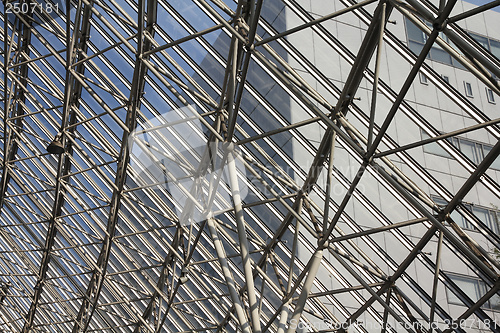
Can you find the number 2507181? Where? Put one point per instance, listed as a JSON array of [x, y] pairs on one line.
[[30, 8]]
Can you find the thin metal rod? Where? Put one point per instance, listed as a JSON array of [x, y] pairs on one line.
[[87, 58], [357, 262], [278, 130], [379, 229], [185, 39], [343, 290], [435, 282], [438, 137], [35, 59], [329, 184], [376, 78]]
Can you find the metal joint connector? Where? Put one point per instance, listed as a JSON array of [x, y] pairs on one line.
[[439, 24]]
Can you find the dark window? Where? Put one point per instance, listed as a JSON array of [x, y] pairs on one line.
[[423, 78], [468, 89], [490, 95]]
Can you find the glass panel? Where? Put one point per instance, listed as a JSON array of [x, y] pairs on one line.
[[490, 95], [469, 149], [415, 47], [483, 41], [468, 285], [484, 215], [494, 219], [496, 162], [495, 302], [495, 48], [440, 55], [433, 147], [468, 89], [414, 33], [423, 78]]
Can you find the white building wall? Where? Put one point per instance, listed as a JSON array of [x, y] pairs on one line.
[[429, 102]]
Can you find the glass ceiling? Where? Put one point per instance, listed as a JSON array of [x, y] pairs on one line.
[[245, 166]]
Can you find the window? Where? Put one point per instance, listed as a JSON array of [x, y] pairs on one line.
[[434, 147], [468, 89], [490, 96], [470, 150], [489, 44], [470, 286], [483, 41], [423, 78], [475, 151], [496, 162], [474, 288], [417, 39], [495, 48], [488, 216]]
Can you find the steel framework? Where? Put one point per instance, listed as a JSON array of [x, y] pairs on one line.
[[92, 239]]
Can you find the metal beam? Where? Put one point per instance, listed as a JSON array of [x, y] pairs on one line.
[[71, 97], [91, 298], [15, 93]]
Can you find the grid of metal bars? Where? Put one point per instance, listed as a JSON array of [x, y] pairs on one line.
[[92, 241]]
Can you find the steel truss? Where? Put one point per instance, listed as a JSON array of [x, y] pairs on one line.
[[93, 240]]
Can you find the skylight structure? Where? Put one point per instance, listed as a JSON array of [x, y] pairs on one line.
[[249, 166]]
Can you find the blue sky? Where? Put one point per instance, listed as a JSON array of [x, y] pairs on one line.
[[482, 2]]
